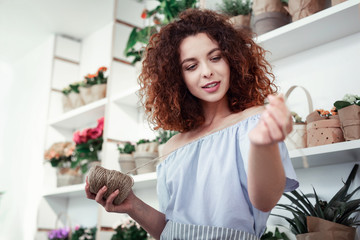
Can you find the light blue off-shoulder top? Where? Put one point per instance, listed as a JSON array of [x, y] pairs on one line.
[[205, 181]]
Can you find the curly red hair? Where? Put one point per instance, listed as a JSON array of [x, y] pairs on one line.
[[167, 101]]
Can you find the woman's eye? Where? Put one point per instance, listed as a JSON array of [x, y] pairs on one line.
[[191, 67], [215, 59]]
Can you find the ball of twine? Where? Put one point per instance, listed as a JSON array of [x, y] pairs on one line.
[[99, 177]]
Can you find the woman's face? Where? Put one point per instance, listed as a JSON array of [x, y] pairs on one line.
[[205, 71]]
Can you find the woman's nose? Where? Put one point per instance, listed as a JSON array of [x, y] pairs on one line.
[[206, 71]]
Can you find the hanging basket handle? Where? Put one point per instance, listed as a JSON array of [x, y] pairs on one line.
[[308, 97]]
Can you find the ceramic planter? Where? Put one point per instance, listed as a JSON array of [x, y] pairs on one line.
[[350, 122]]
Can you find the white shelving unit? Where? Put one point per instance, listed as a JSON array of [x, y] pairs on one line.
[[325, 26], [76, 118], [123, 118], [336, 153]]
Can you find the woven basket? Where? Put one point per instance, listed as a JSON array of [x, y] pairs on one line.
[[298, 137], [324, 131]]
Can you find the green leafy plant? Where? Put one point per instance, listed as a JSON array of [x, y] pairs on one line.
[[96, 78], [268, 235], [142, 141], [82, 233], [129, 230], [235, 7], [164, 13], [340, 209], [127, 148], [164, 135], [348, 99]]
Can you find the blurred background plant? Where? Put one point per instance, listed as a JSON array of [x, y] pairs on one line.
[[88, 144]]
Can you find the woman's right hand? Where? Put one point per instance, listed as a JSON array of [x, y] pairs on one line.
[[124, 207]]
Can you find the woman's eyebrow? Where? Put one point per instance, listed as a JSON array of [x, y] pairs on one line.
[[192, 59]]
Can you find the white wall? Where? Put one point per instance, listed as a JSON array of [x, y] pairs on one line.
[[23, 141]]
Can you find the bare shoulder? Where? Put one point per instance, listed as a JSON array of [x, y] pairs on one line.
[[172, 144], [237, 117]]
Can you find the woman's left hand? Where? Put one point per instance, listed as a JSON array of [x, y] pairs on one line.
[[275, 123]]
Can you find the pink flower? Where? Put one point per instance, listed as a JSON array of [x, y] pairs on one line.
[[100, 123], [77, 227], [76, 137], [94, 133], [84, 136]]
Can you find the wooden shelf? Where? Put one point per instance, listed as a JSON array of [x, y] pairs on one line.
[[336, 153], [81, 116], [140, 181], [128, 97], [325, 26]]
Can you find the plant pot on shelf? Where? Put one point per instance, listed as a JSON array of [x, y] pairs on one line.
[[325, 131], [66, 103], [350, 122], [142, 158], [269, 15], [303, 8], [92, 93], [241, 22], [75, 100], [68, 176], [322, 229], [335, 2], [127, 163]]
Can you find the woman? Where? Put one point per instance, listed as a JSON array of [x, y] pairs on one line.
[[228, 167]]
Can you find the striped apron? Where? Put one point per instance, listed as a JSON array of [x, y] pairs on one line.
[[181, 231]]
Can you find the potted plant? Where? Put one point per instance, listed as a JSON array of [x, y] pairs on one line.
[[88, 146], [269, 15], [323, 128], [126, 158], [129, 230], [145, 152], [164, 13], [324, 220], [82, 233], [59, 234], [71, 96], [59, 155], [239, 11], [93, 87], [349, 114]]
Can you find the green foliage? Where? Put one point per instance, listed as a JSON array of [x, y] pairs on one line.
[[235, 7], [167, 10], [268, 235], [142, 141], [164, 135], [340, 209], [66, 90], [75, 87], [60, 162], [132, 231], [348, 99], [86, 153], [296, 117], [84, 233], [127, 148]]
